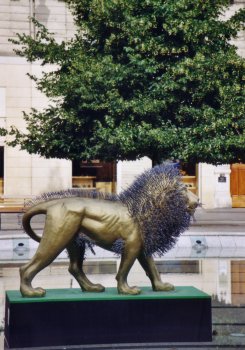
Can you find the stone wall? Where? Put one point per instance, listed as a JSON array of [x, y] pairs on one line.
[[15, 18], [26, 174]]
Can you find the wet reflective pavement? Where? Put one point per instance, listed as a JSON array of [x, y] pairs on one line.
[[213, 263], [222, 278]]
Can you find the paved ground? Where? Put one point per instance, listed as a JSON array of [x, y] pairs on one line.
[[228, 333], [226, 219], [232, 217]]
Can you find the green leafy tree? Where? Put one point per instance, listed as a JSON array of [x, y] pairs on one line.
[[155, 78]]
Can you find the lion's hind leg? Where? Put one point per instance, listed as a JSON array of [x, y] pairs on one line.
[[27, 273], [60, 227], [76, 254]]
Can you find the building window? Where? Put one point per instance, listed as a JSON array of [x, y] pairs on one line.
[[96, 174], [189, 176]]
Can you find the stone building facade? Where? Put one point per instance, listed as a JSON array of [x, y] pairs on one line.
[[23, 175]]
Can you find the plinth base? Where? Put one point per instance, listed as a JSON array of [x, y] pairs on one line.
[[71, 317]]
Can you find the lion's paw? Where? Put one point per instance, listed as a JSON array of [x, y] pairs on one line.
[[129, 290], [163, 287], [32, 292], [96, 288]]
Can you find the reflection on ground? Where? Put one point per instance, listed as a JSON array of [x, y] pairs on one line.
[[222, 278]]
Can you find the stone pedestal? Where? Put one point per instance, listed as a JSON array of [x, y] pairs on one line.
[[70, 317]]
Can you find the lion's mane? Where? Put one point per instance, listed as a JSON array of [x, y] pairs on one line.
[[157, 202]]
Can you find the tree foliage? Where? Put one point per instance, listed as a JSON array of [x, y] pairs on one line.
[[155, 78]]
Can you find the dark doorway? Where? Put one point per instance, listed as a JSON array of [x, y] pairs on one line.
[[94, 174]]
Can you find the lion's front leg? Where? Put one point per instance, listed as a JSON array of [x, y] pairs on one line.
[[149, 266], [130, 253], [76, 254]]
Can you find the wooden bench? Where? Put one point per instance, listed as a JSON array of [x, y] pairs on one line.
[[11, 205]]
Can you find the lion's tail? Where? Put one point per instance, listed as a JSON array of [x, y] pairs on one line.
[[26, 221]]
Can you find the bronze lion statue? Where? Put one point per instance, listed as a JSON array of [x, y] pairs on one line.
[[144, 220]]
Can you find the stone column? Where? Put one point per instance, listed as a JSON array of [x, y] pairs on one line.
[[222, 195], [127, 171]]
